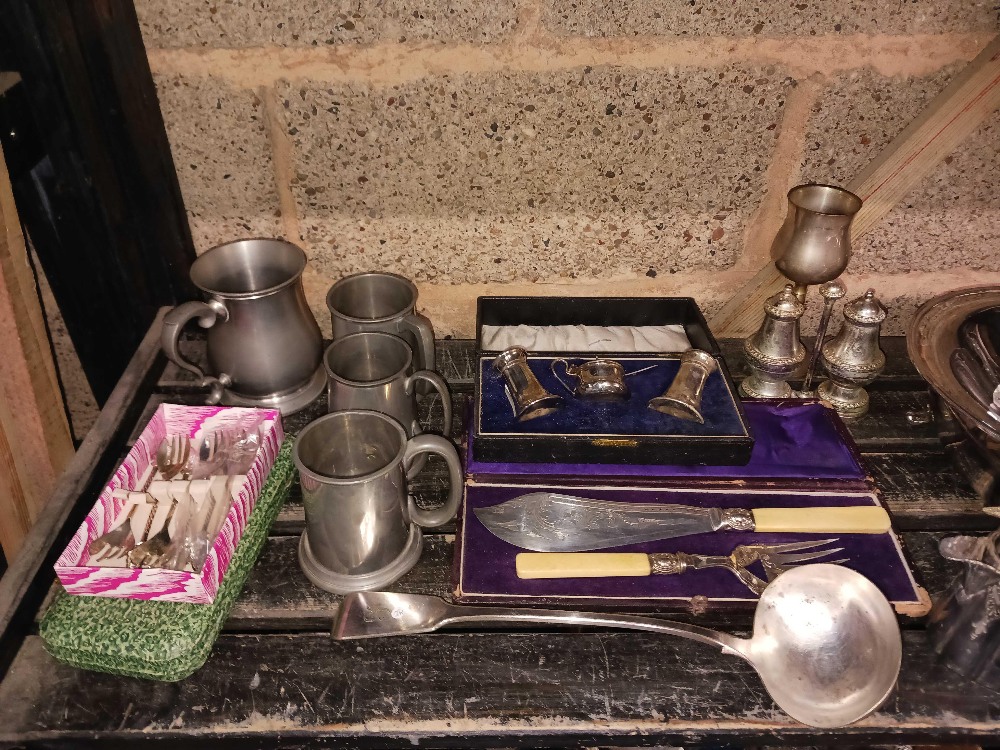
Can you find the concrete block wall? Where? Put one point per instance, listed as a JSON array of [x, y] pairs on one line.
[[567, 146]]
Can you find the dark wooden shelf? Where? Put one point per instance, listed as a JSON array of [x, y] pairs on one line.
[[276, 678]]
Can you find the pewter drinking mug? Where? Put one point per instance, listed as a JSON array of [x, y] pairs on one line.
[[370, 371], [362, 527], [382, 302], [264, 346]]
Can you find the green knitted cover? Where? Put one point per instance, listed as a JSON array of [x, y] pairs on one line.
[[161, 640]]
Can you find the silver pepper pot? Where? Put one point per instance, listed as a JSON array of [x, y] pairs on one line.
[[853, 358], [774, 352]]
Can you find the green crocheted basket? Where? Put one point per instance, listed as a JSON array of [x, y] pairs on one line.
[[161, 640]]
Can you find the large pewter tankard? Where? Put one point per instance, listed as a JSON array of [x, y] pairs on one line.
[[264, 346]]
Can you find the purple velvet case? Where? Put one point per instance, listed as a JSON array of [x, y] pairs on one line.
[[803, 457]]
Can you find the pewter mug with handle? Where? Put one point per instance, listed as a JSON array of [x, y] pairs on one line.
[[370, 371], [964, 625], [362, 527], [264, 346], [382, 302]]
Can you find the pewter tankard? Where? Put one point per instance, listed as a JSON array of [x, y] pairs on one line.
[[264, 346], [362, 527], [382, 302], [370, 371]]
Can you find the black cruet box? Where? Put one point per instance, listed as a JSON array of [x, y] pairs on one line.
[[625, 432]]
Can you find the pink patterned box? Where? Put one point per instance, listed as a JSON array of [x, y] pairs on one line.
[[79, 577]]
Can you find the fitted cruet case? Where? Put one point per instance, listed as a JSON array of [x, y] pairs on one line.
[[584, 431]]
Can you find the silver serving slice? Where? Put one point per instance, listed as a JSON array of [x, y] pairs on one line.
[[552, 522]]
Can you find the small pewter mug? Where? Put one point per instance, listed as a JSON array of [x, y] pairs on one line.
[[370, 371], [263, 342], [683, 398], [362, 527], [382, 302], [528, 397]]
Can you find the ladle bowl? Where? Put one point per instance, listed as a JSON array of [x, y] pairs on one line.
[[825, 642]]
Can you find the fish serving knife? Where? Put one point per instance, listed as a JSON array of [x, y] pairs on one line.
[[552, 522]]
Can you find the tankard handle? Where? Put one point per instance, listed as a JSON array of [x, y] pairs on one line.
[[421, 327], [437, 382], [428, 443], [208, 314]]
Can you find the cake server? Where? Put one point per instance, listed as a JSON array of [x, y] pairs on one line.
[[552, 522]]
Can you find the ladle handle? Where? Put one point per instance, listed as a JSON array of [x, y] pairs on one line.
[[458, 615]]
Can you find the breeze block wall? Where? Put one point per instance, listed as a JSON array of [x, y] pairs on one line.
[[583, 147]]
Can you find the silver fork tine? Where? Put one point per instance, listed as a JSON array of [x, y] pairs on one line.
[[804, 556], [793, 546]]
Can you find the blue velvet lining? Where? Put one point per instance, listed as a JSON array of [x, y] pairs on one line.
[[632, 417]]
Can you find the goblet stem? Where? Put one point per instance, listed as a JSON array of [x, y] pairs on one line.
[[824, 323]]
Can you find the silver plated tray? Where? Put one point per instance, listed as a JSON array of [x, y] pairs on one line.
[[932, 338]]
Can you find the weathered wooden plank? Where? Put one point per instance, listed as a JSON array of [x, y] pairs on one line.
[[885, 427], [898, 372], [278, 596], [627, 688], [104, 207], [456, 361], [923, 491], [26, 582], [35, 442]]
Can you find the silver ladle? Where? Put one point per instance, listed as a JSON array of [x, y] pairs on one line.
[[825, 641]]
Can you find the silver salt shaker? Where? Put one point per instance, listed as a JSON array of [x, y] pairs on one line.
[[853, 358], [775, 351]]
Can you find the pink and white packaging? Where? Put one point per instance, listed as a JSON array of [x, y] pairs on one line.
[[79, 577]]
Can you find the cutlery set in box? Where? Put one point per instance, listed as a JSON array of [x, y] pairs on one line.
[[167, 524]]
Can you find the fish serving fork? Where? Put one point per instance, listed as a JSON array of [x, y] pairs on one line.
[[775, 559]]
